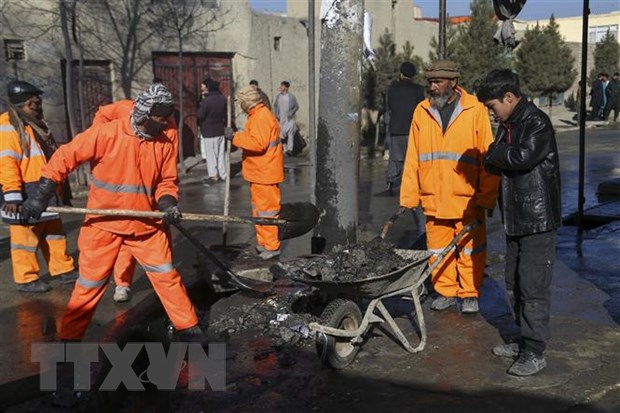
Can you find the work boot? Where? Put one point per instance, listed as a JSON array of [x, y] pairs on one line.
[[510, 350], [121, 293], [528, 364], [469, 305], [192, 335], [69, 277], [267, 255], [36, 286], [442, 303]]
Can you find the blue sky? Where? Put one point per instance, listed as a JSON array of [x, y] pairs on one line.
[[534, 9]]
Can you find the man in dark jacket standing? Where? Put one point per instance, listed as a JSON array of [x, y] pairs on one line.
[[402, 98], [525, 155], [212, 119]]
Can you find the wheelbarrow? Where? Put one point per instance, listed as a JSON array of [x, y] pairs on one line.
[[342, 327]]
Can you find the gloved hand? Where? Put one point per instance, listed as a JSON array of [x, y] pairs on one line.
[[229, 133], [35, 205], [168, 205]]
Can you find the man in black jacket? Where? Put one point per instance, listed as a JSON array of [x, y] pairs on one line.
[[212, 119], [525, 154], [402, 98]]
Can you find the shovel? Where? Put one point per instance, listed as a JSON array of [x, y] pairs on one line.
[[243, 283], [295, 219]]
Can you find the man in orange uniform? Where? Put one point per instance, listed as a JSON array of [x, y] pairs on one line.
[[133, 165], [262, 165], [449, 136], [125, 265], [26, 143]]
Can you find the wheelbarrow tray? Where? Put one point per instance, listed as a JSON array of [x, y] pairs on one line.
[[381, 285]]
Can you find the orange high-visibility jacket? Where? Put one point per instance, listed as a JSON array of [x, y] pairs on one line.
[[19, 170], [127, 172], [445, 172], [113, 111], [263, 159]]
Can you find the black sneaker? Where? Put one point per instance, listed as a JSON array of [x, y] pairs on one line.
[[36, 286], [69, 277], [192, 335], [527, 364]]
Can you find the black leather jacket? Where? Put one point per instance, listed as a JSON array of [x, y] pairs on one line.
[[526, 154]]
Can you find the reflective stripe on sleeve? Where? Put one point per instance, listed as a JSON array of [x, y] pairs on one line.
[[12, 196], [11, 154], [7, 128], [275, 143]]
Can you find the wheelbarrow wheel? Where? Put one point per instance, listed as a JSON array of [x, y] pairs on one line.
[[339, 352]]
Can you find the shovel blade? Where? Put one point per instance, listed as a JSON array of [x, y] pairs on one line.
[[301, 217]]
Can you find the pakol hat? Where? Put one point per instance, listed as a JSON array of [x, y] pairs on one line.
[[20, 91], [248, 97], [408, 69], [442, 69]]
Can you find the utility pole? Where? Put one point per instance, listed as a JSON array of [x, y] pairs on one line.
[[338, 134], [442, 29], [312, 96]]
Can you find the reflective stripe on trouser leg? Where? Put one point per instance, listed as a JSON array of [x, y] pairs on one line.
[[98, 252], [266, 204], [439, 233], [154, 254], [472, 256], [24, 242], [124, 267], [53, 243]]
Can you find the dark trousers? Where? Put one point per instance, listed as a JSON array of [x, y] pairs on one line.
[[529, 268], [396, 164]]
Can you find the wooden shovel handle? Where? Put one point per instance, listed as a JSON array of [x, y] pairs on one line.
[[187, 216]]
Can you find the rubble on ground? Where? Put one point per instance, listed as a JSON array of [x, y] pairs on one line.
[[345, 263]]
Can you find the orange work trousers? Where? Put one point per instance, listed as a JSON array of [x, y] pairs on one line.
[[124, 267], [26, 239], [462, 270], [266, 204], [98, 252]]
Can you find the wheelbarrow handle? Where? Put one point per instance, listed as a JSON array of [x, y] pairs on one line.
[[466, 229]]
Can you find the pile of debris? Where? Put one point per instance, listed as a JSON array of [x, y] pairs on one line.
[[283, 318], [345, 263]]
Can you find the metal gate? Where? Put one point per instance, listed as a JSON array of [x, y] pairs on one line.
[[197, 66], [97, 84]]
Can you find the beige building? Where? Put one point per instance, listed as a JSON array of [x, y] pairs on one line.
[[571, 27]]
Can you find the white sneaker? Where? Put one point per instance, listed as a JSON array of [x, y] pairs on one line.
[[121, 294]]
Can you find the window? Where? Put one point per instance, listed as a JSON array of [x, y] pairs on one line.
[[14, 49], [276, 43], [596, 33]]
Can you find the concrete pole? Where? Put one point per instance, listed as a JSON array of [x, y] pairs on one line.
[[338, 134], [312, 96]]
